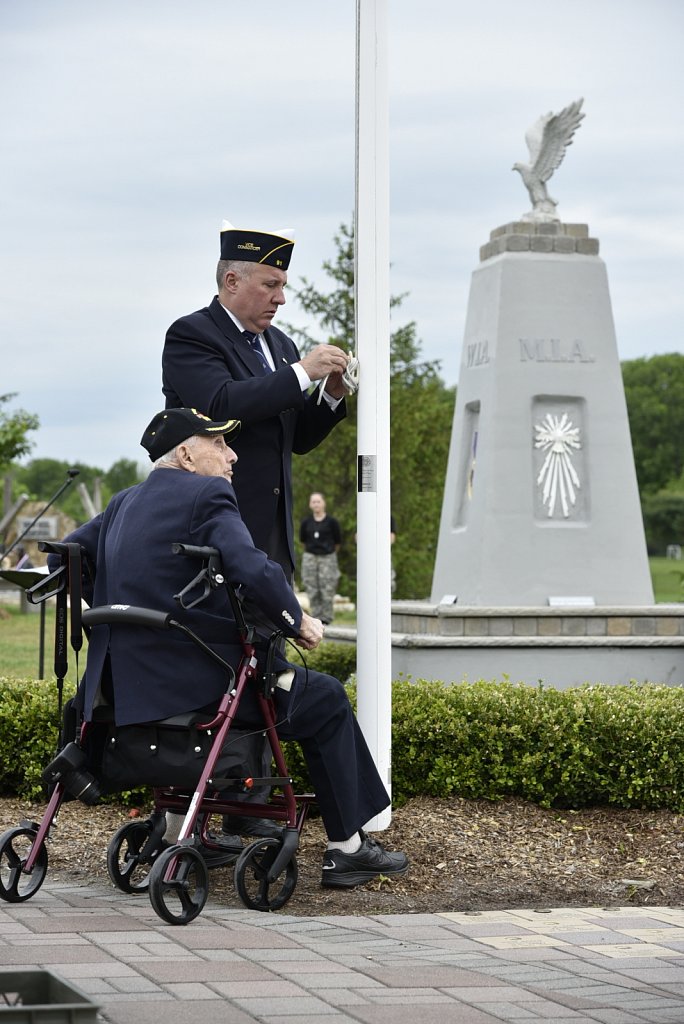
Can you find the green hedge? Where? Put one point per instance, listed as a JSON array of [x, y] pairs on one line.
[[590, 745], [335, 659], [28, 734]]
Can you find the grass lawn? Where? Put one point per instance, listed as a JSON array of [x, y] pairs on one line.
[[668, 580], [20, 633], [20, 643]]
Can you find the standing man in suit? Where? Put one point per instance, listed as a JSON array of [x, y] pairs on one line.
[[230, 362]]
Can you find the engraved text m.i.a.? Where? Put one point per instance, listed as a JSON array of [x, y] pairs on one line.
[[553, 350]]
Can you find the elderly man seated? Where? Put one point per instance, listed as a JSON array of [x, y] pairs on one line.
[[189, 498]]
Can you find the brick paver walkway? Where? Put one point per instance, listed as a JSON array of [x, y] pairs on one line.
[[569, 966]]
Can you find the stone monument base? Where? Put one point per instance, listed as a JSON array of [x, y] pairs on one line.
[[560, 647]]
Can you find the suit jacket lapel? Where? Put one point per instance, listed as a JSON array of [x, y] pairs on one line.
[[237, 343], [277, 350]]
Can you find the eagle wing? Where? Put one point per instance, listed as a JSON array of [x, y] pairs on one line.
[[549, 137]]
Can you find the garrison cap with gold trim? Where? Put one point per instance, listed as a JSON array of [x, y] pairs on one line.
[[273, 248], [171, 427]]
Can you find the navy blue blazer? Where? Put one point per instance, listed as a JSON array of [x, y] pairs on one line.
[[159, 673], [207, 365]]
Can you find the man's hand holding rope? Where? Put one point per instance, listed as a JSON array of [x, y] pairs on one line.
[[337, 371]]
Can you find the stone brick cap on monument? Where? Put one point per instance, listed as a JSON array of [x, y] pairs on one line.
[[528, 236]]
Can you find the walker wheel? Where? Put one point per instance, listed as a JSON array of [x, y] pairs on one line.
[[128, 862], [251, 876], [179, 884], [15, 846]]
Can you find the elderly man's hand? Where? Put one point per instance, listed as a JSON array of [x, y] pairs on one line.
[[310, 632]]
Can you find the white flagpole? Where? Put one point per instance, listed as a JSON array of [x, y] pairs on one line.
[[374, 650]]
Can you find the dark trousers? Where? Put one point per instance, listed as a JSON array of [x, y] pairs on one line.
[[278, 551], [348, 788]]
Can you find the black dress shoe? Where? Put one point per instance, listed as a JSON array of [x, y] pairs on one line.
[[345, 870], [226, 851], [243, 825]]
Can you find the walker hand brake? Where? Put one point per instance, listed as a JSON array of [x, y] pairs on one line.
[[210, 576]]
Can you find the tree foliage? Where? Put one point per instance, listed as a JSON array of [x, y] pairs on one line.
[[14, 430], [664, 520], [41, 478], [122, 474], [421, 409], [654, 392]]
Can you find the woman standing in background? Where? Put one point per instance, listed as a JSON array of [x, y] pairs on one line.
[[320, 534]]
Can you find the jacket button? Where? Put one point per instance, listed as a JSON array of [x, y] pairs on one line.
[[276, 490]]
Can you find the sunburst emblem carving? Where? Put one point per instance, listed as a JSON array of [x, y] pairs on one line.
[[557, 477]]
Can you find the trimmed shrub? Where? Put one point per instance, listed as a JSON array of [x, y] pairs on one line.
[[586, 746], [332, 658], [28, 734], [589, 745]]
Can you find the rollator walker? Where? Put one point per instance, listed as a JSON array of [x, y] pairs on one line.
[[138, 859]]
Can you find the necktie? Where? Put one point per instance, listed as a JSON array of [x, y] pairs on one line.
[[255, 345]]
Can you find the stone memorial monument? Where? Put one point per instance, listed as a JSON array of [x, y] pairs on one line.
[[541, 572], [541, 506]]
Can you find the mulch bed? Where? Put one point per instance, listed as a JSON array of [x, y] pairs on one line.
[[466, 855]]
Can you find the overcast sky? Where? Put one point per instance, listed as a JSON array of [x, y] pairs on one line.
[[130, 130]]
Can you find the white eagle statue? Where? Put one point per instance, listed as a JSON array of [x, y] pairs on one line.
[[547, 140]]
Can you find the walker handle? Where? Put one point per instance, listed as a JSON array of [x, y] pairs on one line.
[[128, 615]]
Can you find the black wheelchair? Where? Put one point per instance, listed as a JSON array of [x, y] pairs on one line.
[[186, 761]]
